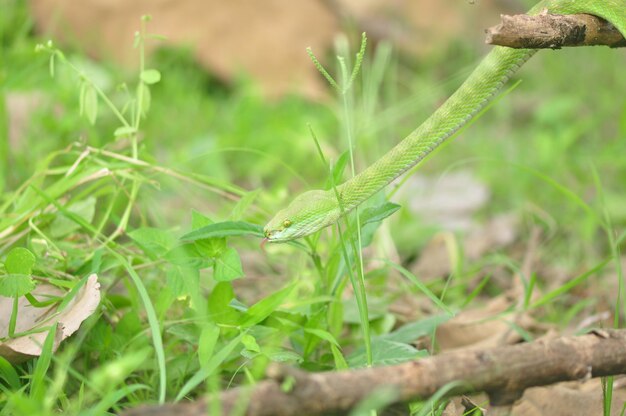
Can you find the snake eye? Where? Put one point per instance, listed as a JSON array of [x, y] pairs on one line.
[[287, 223]]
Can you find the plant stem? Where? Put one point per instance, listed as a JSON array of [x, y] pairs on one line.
[[13, 319]]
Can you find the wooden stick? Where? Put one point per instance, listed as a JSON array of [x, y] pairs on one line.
[[553, 31], [503, 373]]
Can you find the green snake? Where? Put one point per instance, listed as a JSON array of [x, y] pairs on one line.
[[314, 210]]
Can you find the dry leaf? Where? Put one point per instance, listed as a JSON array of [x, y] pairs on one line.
[[436, 258], [483, 327], [24, 347], [566, 399]]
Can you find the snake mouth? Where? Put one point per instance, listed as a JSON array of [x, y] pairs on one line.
[[275, 236], [270, 236]]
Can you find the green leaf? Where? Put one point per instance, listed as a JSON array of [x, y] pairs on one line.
[[211, 247], [228, 266], [378, 213], [144, 98], [220, 310], [340, 361], [376, 400], [9, 375], [570, 284], [199, 220], [325, 335], [90, 103], [206, 343], [129, 326], [15, 285], [238, 305], [110, 399], [150, 76], [249, 342], [153, 241], [338, 169], [62, 226], [385, 352], [220, 297], [153, 323], [51, 65], [81, 98], [264, 308], [19, 261], [187, 255], [377, 308], [243, 204], [183, 282], [421, 286], [73, 293], [206, 371], [224, 229], [39, 246], [38, 383], [282, 355], [412, 331], [124, 131], [108, 376]]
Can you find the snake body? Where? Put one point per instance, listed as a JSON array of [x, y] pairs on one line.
[[314, 210]]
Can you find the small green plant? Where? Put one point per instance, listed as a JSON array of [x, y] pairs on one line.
[[18, 282]]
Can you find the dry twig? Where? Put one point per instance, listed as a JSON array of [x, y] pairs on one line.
[[504, 373], [553, 31]]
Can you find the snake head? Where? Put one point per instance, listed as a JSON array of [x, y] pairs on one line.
[[307, 213]]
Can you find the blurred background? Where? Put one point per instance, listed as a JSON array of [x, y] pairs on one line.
[[239, 95], [264, 41]]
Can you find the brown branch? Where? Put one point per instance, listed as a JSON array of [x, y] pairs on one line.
[[553, 31], [504, 373]]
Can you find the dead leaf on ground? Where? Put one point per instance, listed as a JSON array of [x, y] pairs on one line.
[[465, 405], [452, 409], [486, 327], [22, 348], [566, 399], [437, 258]]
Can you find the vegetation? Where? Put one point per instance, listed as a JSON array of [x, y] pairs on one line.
[[160, 181]]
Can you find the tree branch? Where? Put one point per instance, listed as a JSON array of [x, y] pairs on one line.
[[553, 31], [504, 373]]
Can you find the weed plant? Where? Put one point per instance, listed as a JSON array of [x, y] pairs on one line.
[[160, 185]]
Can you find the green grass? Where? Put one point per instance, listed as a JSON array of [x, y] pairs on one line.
[[170, 217]]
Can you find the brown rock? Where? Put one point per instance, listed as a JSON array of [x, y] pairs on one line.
[[264, 39]]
